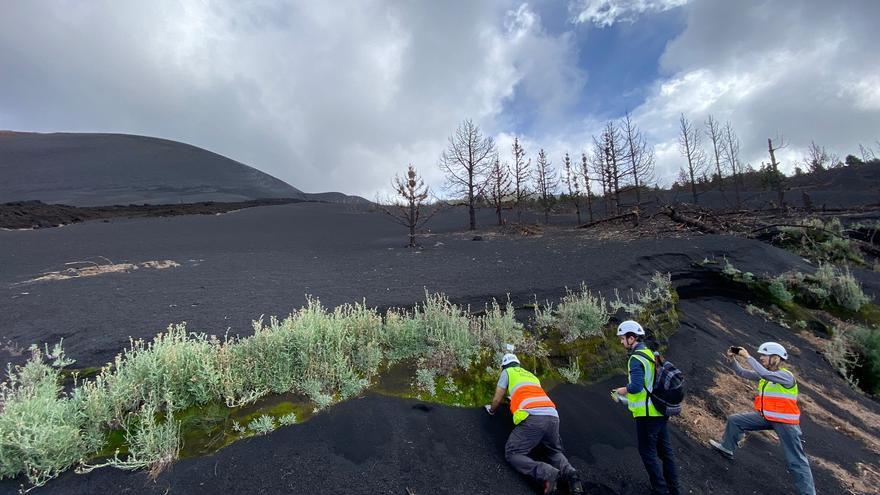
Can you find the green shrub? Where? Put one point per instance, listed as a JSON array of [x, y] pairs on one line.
[[40, 432], [323, 354], [581, 314], [544, 315], [867, 365], [730, 270], [425, 380], [572, 373], [262, 424], [94, 409], [839, 353], [151, 444], [499, 327], [436, 330], [176, 366], [841, 286], [287, 419], [854, 351], [658, 291], [779, 291], [755, 310]]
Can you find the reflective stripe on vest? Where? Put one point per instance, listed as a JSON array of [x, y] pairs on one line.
[[777, 403], [525, 393], [640, 404]]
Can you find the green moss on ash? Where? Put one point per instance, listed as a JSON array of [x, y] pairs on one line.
[[599, 356]]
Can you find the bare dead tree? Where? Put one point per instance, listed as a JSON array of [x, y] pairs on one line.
[[585, 174], [573, 185], [408, 205], [817, 158], [731, 157], [639, 155], [777, 177], [466, 163], [499, 187], [519, 174], [689, 146], [714, 133], [546, 183], [866, 152], [614, 157], [600, 171]]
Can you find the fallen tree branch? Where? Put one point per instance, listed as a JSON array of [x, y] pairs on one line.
[[696, 224], [609, 219]]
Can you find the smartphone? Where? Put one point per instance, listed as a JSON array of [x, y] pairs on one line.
[[734, 349]]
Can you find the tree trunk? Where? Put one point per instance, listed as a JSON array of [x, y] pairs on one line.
[[777, 175], [693, 180], [412, 224], [736, 181]]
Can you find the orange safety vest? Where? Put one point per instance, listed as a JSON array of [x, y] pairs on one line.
[[525, 393], [777, 403]]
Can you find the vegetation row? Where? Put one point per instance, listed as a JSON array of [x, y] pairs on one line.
[[326, 355]]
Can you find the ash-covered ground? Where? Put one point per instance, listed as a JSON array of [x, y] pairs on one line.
[[233, 268]]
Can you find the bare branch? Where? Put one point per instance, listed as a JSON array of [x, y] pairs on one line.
[[466, 163]]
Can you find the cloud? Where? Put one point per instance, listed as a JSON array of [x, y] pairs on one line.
[[343, 95], [326, 96], [605, 13], [793, 70]]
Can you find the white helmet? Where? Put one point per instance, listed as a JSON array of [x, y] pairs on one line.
[[772, 348], [509, 358], [630, 326]]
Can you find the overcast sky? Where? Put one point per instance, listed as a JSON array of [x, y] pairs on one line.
[[342, 95]]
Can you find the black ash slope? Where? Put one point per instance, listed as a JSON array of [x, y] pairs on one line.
[[263, 260]]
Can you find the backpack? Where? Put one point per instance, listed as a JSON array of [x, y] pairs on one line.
[[668, 391]]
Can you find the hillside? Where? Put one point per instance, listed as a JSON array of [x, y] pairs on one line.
[[106, 169]]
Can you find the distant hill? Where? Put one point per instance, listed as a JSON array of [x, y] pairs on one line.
[[106, 169]]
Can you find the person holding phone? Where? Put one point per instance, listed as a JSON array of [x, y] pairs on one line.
[[776, 409]]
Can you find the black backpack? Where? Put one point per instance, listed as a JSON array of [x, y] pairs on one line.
[[668, 392]]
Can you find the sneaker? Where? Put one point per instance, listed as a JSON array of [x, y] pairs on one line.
[[550, 487], [720, 448], [575, 487]]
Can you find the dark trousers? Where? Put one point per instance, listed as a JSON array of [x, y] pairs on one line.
[[531, 432], [657, 455]]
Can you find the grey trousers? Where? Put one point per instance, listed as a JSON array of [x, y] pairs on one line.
[[531, 432], [789, 437]]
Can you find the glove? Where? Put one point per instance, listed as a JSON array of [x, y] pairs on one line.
[[488, 408], [614, 396]]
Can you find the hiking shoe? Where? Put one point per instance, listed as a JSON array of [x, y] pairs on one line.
[[575, 487], [720, 448], [550, 487]]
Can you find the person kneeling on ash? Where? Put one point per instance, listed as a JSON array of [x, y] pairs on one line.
[[537, 423]]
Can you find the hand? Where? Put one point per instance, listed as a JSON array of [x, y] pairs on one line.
[[488, 408], [621, 391], [743, 353]]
